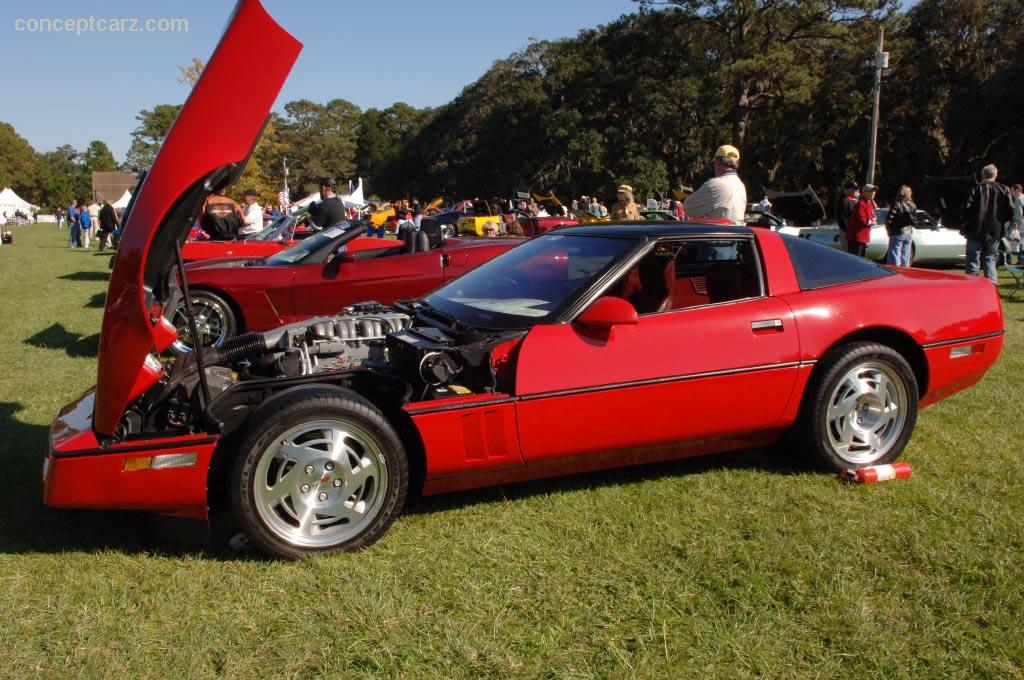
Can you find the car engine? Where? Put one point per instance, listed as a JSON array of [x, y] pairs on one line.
[[433, 360]]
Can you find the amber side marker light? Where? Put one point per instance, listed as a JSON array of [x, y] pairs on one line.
[[164, 461], [966, 351]]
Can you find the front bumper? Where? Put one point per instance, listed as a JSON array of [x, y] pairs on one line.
[[80, 472]]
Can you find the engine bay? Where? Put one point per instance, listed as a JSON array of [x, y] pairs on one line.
[[431, 357]]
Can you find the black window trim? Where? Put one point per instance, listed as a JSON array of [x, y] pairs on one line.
[[601, 287]]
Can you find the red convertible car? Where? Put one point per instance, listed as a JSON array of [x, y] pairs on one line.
[[282, 233], [321, 275], [584, 348]]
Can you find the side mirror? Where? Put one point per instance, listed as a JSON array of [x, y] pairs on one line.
[[347, 257], [606, 312]]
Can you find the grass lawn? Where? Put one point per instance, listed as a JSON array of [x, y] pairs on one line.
[[730, 566]]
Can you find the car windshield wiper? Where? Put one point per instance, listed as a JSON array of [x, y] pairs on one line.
[[431, 311]]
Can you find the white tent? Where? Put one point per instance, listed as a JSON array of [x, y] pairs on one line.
[[352, 200], [122, 202], [10, 202], [355, 199]]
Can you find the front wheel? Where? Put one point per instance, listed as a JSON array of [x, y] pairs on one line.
[[323, 473], [862, 409], [215, 321]]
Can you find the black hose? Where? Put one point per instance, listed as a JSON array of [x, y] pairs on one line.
[[244, 346]]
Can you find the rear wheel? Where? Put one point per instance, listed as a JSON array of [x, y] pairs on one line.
[[215, 321], [862, 409], [324, 472]]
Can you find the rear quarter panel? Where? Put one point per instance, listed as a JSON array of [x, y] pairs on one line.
[[938, 311]]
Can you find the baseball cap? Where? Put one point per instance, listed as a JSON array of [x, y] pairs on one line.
[[728, 151], [625, 187], [868, 187]]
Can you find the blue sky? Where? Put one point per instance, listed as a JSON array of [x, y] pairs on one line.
[[63, 88]]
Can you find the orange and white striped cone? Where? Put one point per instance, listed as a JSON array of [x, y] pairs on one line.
[[877, 473]]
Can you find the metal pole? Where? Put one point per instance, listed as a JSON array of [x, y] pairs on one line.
[[879, 64]]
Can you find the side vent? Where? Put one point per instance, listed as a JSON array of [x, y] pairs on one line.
[[484, 435]]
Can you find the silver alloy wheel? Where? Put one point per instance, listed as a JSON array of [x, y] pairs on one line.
[[320, 483], [212, 323], [866, 413]]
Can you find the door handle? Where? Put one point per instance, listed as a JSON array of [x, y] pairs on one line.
[[445, 260], [766, 325]]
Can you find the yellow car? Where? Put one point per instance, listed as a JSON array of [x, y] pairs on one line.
[[474, 224], [586, 217], [380, 217]]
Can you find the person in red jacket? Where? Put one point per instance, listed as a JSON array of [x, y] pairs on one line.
[[862, 218]]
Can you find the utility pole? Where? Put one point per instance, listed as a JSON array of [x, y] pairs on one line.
[[881, 64], [285, 197]]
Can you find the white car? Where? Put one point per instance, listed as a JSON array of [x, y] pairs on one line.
[[932, 242]]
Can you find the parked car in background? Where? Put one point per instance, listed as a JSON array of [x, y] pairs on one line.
[[320, 275], [534, 226], [281, 234], [472, 223], [932, 244], [796, 213]]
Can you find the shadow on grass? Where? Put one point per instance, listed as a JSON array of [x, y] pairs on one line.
[[28, 526], [85, 276], [97, 301], [58, 337], [763, 459]]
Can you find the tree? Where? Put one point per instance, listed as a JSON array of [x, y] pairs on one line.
[[190, 74], [19, 164], [263, 171], [319, 140], [64, 176], [150, 134], [381, 136], [98, 158], [765, 50]]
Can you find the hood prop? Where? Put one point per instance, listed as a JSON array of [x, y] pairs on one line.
[[197, 349]]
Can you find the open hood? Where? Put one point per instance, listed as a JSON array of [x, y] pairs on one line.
[[801, 208], [208, 144], [949, 194]]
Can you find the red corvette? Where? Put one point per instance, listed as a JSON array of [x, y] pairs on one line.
[[584, 348], [320, 275], [282, 233]]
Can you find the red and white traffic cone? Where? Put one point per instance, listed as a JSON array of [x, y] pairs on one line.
[[877, 473]]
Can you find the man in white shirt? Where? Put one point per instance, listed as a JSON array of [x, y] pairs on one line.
[[723, 197], [253, 214], [94, 219]]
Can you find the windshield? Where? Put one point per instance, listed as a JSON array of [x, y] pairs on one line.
[[272, 231], [311, 246], [531, 283]]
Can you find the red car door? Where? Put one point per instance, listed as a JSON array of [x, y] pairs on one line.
[[326, 288], [695, 377]]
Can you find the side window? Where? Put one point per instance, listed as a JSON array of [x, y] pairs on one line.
[[681, 274]]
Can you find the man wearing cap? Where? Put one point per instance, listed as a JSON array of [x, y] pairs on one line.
[[624, 209], [330, 210], [723, 197], [862, 218]]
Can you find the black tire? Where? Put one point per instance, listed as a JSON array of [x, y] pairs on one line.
[[205, 305], [877, 422], [260, 458]]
